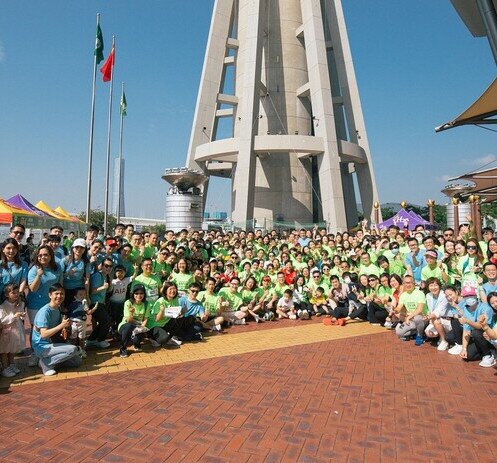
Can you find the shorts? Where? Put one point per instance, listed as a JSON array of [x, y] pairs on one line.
[[78, 329]]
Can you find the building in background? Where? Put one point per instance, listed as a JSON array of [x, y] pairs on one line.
[[278, 113]]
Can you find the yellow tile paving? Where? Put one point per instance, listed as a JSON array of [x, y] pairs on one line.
[[108, 361]]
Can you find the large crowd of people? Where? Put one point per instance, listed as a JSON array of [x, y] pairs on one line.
[[128, 287]]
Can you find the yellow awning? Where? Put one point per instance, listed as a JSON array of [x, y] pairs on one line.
[[46, 208], [479, 112]]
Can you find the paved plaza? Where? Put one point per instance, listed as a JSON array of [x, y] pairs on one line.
[[286, 391]]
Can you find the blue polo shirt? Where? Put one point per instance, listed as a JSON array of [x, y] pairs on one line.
[[37, 299]]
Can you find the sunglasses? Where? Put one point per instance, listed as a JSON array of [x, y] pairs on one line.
[[194, 291], [107, 266], [471, 247], [17, 232], [372, 279]]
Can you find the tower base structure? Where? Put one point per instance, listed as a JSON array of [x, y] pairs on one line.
[[278, 112]]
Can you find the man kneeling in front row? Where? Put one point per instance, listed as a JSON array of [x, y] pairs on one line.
[[49, 323]]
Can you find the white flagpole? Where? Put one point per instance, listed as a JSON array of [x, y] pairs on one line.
[[92, 123], [106, 211], [121, 128]]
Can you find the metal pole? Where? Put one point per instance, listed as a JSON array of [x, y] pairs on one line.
[[121, 127], [106, 209], [489, 18], [92, 123]]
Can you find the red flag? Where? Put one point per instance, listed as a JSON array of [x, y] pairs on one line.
[[106, 69]]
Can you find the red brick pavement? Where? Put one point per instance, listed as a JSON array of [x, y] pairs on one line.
[[362, 399]]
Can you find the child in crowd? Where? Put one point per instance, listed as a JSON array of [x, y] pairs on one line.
[[285, 307], [12, 338], [77, 311], [318, 301], [117, 294]]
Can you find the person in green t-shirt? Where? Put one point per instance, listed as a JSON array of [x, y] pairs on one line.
[[211, 304], [231, 303], [250, 296], [433, 269], [182, 278], [134, 323], [151, 282], [411, 310]]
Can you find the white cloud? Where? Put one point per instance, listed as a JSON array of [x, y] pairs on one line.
[[2, 52]]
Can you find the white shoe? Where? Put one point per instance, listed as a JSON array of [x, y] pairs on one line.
[[239, 322], [154, 343], [216, 328], [32, 360], [443, 345], [304, 315], [292, 316], [8, 372], [456, 349], [47, 371], [14, 368], [174, 341], [487, 361], [388, 325], [257, 318]]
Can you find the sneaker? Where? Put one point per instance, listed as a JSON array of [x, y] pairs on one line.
[[443, 345], [32, 360], [197, 337], [91, 343], [419, 340], [137, 346], [8, 372], [487, 361], [240, 322], [304, 315], [14, 368], [292, 316], [174, 341], [257, 318], [341, 322], [82, 353], [47, 371], [103, 344], [154, 343], [123, 353], [456, 349], [299, 313], [219, 329], [388, 325]]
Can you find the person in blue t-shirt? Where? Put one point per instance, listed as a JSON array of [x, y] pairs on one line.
[[48, 323], [12, 269], [44, 273], [76, 270], [472, 327], [415, 260], [490, 272], [191, 306]]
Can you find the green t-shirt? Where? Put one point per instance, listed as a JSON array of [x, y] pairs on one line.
[[411, 300], [249, 296], [182, 280], [427, 272], [370, 269], [234, 299], [141, 312], [209, 301], [152, 286], [156, 308], [149, 251]]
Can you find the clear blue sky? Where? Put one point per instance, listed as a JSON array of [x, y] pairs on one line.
[[417, 66]]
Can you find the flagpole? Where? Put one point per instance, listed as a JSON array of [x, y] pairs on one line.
[[106, 211], [121, 128], [92, 123]]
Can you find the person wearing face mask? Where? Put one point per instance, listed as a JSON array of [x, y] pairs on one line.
[[469, 318], [395, 259]]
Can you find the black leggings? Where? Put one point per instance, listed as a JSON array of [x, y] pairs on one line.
[[376, 313], [183, 327]]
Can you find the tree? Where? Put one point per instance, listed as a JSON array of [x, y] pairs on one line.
[[97, 218], [387, 212]]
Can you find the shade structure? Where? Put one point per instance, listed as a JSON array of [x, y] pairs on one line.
[[484, 184], [481, 111], [48, 210], [406, 219], [21, 202], [8, 213], [66, 214]]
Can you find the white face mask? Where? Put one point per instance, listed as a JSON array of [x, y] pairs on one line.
[[395, 251], [347, 280]]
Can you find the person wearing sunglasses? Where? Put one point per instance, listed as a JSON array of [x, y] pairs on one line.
[[100, 282], [151, 282], [17, 232]]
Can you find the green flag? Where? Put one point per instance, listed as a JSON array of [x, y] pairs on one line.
[[99, 45], [123, 104]]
